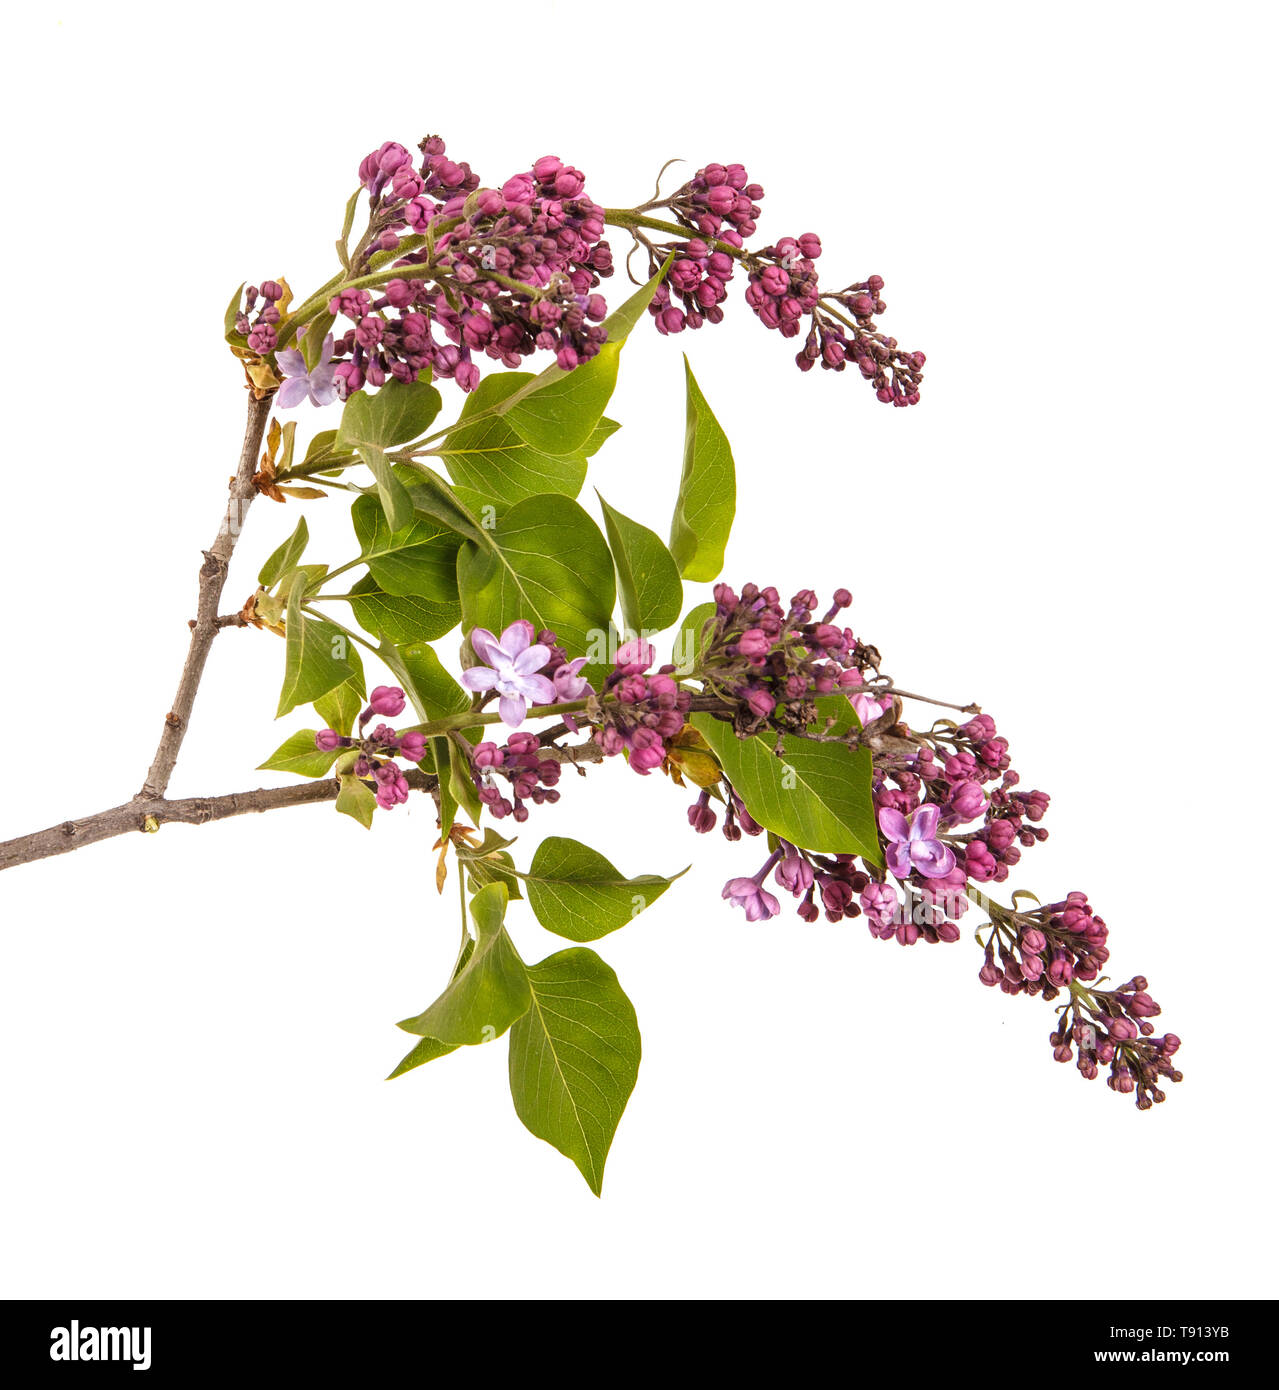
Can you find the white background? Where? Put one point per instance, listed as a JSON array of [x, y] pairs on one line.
[[1070, 207]]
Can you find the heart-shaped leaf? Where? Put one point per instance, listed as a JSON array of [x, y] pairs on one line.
[[575, 892]]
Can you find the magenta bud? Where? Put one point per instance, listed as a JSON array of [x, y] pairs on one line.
[[413, 746], [327, 740], [1143, 1006], [387, 700]]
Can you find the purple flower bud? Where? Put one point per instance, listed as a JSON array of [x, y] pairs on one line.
[[1143, 1006], [1033, 941], [413, 746], [387, 700], [700, 815], [967, 801], [327, 740]]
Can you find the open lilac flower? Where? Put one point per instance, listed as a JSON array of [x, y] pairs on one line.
[[512, 664], [750, 894], [913, 843], [318, 383], [570, 684]]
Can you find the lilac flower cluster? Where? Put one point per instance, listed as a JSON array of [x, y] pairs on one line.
[[531, 772], [256, 322], [773, 661], [1112, 1028], [378, 746], [645, 711], [921, 800], [769, 664], [505, 272], [721, 205]]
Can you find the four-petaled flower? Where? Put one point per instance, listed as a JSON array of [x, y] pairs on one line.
[[298, 384], [751, 895], [511, 666], [913, 843]]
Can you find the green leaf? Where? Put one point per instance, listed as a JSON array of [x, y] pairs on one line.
[[574, 1058], [313, 341], [317, 655], [431, 690], [603, 432], [420, 559], [356, 800], [558, 411], [299, 754], [399, 412], [707, 490], [575, 892], [402, 619], [688, 642], [485, 455], [340, 708], [396, 414], [462, 786], [817, 795], [648, 582], [495, 467], [325, 442], [394, 496], [433, 497], [490, 992], [284, 557], [232, 312], [545, 561], [431, 1048], [426, 1051]]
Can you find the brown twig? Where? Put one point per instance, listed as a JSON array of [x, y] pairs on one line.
[[150, 813], [213, 574]]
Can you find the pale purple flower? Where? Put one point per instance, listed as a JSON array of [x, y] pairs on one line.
[[913, 843], [511, 666], [318, 383], [749, 894], [569, 684]]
